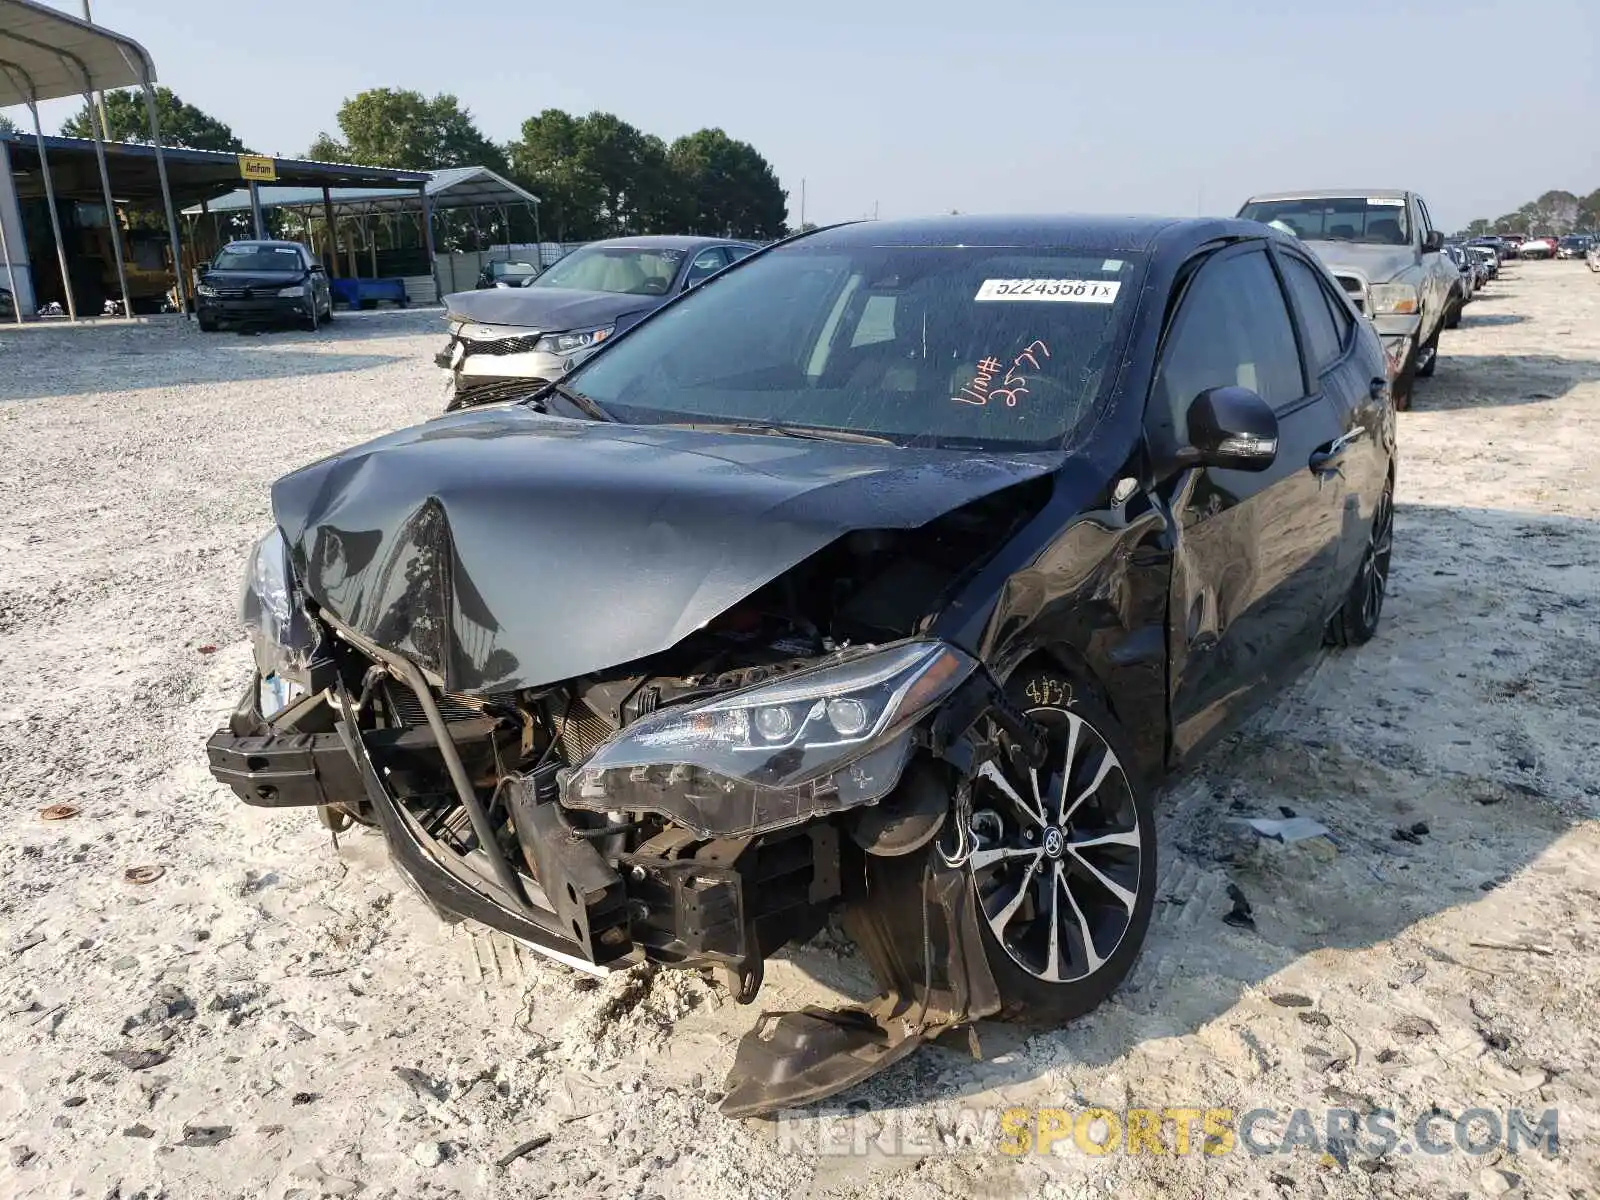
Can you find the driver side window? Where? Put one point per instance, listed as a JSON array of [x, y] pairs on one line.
[[1232, 329], [706, 264]]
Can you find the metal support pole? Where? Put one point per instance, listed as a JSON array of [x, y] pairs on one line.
[[427, 239], [258, 220], [100, 100], [142, 68], [537, 237], [55, 217], [113, 224], [333, 231], [5, 247]]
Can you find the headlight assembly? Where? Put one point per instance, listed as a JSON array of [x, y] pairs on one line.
[[1394, 299], [204, 289], [820, 740], [298, 289], [279, 630], [578, 339]]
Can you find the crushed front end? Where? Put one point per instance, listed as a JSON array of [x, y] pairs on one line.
[[698, 808]]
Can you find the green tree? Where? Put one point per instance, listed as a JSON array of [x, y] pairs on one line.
[[7, 125], [181, 124], [597, 175], [1516, 222], [1589, 211], [547, 160], [728, 189], [1553, 212], [391, 127], [1478, 228]]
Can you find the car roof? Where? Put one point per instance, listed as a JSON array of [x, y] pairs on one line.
[[668, 241], [1331, 194], [1089, 233], [261, 242]]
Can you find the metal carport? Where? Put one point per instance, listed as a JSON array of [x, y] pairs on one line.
[[449, 189], [47, 55]]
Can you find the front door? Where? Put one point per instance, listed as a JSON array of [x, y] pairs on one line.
[[1253, 551]]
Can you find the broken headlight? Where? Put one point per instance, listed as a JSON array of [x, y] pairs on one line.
[[279, 630], [820, 740]]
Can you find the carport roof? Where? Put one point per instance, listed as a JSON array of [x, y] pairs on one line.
[[452, 187], [46, 55], [196, 174]]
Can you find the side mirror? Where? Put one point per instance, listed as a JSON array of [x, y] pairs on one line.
[[1434, 240], [1233, 428]]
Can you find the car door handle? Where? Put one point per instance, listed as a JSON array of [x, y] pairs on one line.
[[1327, 457]]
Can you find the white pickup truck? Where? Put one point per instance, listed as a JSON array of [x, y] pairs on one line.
[[1382, 247]]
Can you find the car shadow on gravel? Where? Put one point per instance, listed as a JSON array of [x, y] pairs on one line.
[[1476, 320], [1500, 380], [1444, 758]]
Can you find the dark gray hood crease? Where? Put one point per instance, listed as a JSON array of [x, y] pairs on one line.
[[506, 549], [547, 309]]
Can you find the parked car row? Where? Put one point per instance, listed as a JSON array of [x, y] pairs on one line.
[[1382, 247], [883, 573]]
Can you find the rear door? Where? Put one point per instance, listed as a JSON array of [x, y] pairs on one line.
[[1254, 552], [1343, 370]]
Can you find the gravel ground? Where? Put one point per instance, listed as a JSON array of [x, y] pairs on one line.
[[276, 1016]]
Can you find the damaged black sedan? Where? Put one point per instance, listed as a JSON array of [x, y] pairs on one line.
[[883, 576]]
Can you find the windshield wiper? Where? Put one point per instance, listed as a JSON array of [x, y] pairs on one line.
[[577, 399], [809, 432]]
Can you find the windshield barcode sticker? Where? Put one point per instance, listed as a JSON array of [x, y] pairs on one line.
[[1070, 291]]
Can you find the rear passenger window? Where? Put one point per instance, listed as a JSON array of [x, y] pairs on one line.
[[1231, 330], [1325, 337]]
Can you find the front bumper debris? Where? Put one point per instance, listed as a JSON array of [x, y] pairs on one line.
[[485, 372], [676, 897]]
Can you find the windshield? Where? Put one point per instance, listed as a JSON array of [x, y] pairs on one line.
[[624, 269], [501, 269], [968, 346], [246, 257], [1377, 219]]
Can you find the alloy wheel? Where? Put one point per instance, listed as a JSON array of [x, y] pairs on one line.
[[1057, 858]]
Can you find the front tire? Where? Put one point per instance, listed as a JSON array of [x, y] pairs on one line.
[[1065, 866]]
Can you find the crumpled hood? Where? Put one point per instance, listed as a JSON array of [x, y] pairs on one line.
[[546, 309], [504, 549], [1378, 263]]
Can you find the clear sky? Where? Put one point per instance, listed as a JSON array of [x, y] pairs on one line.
[[978, 105]]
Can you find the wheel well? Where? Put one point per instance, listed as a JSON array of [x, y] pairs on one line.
[[1067, 660]]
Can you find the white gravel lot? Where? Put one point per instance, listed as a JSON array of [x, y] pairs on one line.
[[275, 1017]]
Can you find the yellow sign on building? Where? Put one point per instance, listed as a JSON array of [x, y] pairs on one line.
[[258, 167]]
